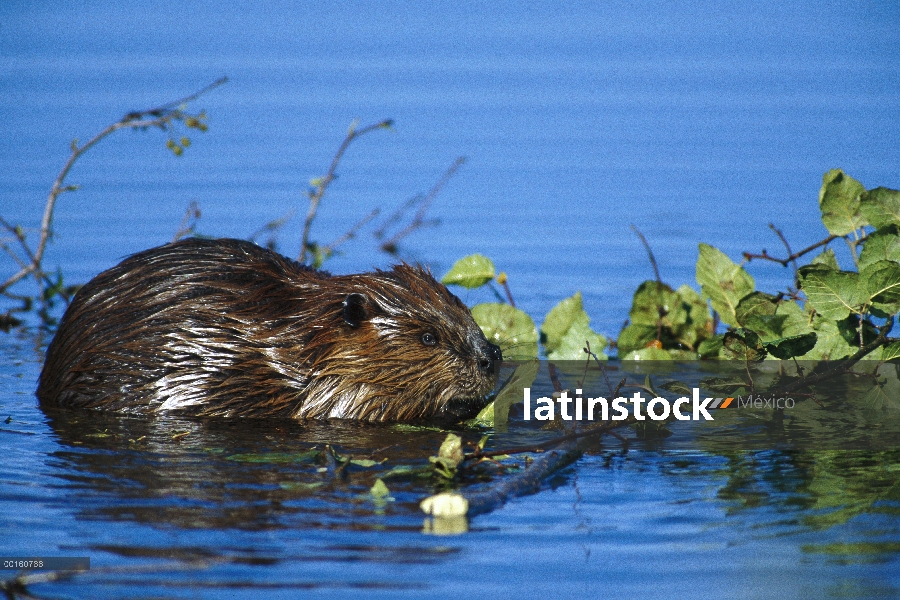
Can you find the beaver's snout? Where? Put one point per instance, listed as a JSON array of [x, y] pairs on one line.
[[489, 356]]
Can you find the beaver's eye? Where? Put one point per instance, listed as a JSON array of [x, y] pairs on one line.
[[429, 339]]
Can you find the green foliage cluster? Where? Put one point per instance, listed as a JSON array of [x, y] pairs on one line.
[[829, 313], [840, 312], [565, 333]]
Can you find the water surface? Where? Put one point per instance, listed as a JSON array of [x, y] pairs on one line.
[[695, 123]]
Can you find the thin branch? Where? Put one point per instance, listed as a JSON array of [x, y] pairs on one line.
[[160, 111], [505, 283], [272, 226], [189, 222], [660, 308], [351, 233], [321, 184], [748, 256], [649, 253], [426, 200]]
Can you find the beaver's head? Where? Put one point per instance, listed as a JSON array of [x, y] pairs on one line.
[[399, 347]]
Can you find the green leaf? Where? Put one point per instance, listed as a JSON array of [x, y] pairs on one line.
[[651, 353], [724, 385], [834, 294], [826, 259], [723, 282], [566, 329], [791, 347], [576, 339], [654, 301], [470, 272], [300, 486], [560, 318], [509, 328], [767, 327], [881, 207], [743, 344], [839, 201], [697, 324], [677, 387], [277, 457], [885, 394], [496, 413], [755, 304], [883, 244], [451, 449], [831, 343], [635, 337], [890, 351], [380, 490], [881, 281], [796, 320], [711, 348]]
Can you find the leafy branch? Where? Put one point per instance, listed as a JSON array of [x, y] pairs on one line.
[[163, 117], [320, 184]]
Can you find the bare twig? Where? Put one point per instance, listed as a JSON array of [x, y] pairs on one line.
[[272, 227], [609, 386], [660, 304], [504, 281], [424, 203], [189, 222], [161, 111], [351, 233], [321, 184], [748, 256], [649, 253]]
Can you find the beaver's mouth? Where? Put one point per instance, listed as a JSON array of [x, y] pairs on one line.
[[461, 408]]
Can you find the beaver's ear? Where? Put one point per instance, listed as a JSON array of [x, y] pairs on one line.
[[354, 310]]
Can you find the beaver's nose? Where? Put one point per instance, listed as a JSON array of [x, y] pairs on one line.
[[491, 354]]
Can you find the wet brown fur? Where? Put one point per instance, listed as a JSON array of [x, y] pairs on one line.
[[224, 327]]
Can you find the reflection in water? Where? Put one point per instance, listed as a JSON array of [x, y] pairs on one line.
[[220, 473], [258, 505]]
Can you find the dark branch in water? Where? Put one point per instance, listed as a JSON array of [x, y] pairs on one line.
[[528, 481]]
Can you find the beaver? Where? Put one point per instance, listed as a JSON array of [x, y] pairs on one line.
[[227, 328]]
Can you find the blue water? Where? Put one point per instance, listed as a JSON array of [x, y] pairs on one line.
[[696, 123]]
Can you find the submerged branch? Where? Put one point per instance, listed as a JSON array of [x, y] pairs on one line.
[[529, 480]]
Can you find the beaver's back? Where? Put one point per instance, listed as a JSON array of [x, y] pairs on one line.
[[170, 324]]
